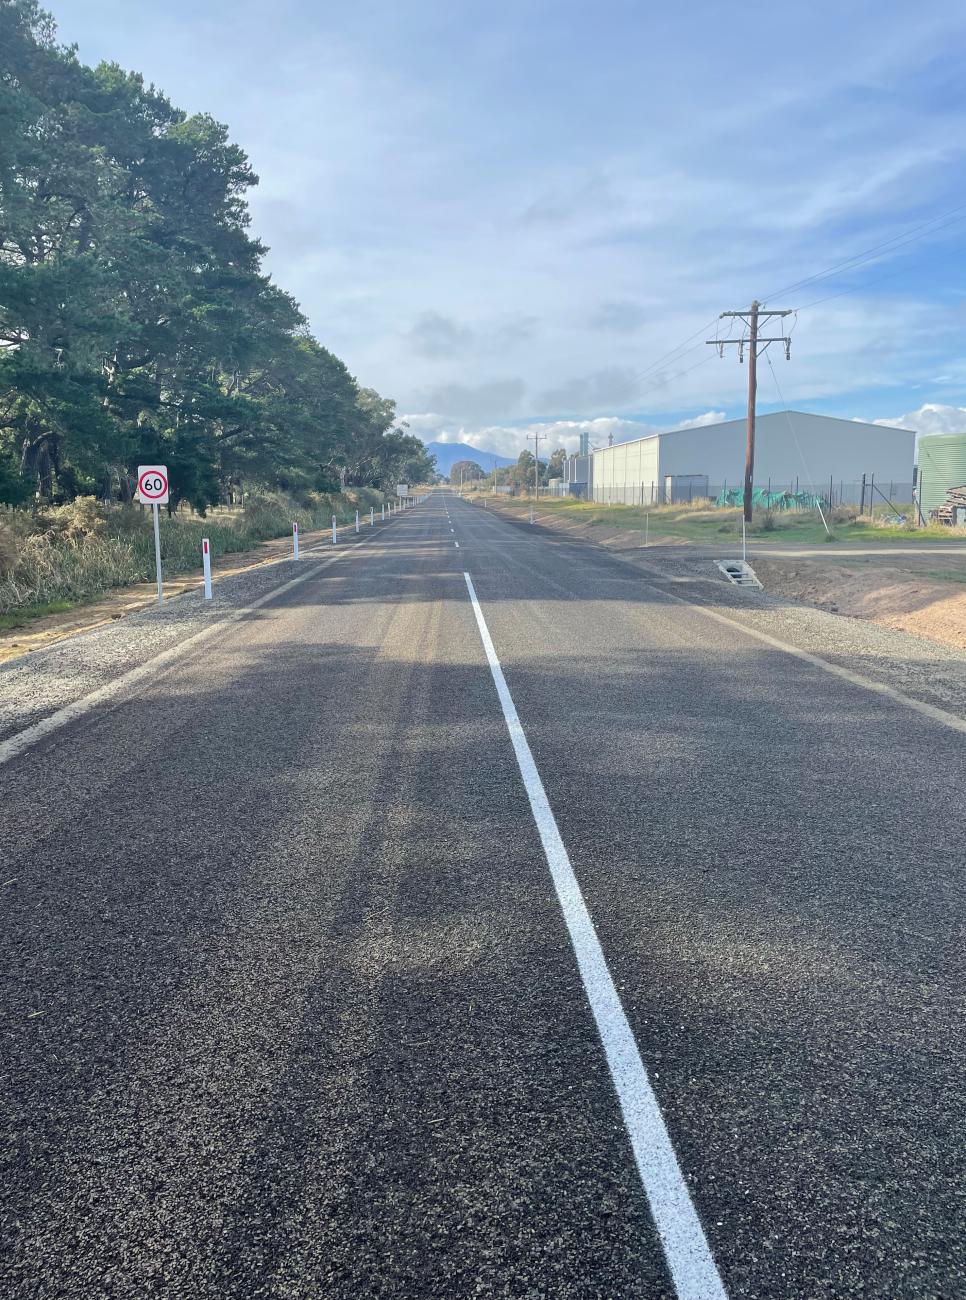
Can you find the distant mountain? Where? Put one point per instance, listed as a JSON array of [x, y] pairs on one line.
[[447, 453]]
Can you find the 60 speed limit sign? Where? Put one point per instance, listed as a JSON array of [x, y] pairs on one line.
[[153, 484]]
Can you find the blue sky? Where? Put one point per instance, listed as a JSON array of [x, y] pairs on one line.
[[503, 214]]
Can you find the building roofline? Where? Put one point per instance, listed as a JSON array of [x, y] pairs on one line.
[[692, 428]]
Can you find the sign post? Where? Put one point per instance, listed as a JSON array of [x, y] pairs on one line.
[[153, 491], [206, 565], [295, 539]]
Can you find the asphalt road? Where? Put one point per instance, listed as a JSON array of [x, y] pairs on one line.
[[290, 1003]]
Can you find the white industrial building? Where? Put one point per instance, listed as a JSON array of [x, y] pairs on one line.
[[794, 452]]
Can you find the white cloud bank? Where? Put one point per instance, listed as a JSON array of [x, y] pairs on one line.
[[931, 418], [510, 440]]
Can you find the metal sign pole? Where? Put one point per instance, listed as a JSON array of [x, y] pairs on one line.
[[157, 555]]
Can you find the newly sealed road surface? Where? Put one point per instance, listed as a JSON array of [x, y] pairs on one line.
[[532, 935]]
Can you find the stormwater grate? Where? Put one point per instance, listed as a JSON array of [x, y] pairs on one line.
[[740, 573]]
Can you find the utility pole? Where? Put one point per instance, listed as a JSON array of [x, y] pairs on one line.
[[756, 345], [536, 461]]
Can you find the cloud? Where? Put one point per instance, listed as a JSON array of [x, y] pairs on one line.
[[496, 397], [440, 337], [438, 223], [931, 418], [611, 386], [434, 335], [510, 440], [620, 317]]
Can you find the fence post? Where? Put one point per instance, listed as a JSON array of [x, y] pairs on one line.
[[862, 502]]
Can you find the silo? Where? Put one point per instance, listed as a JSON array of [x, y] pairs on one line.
[[942, 465]]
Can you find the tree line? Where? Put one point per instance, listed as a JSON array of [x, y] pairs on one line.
[[136, 321], [519, 475]]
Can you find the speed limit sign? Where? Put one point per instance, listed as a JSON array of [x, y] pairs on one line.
[[153, 484]]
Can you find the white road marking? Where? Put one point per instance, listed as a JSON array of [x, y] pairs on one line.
[[931, 711], [23, 740], [685, 1246], [942, 716], [457, 545]]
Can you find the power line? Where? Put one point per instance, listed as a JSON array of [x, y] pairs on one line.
[[868, 254], [801, 454]]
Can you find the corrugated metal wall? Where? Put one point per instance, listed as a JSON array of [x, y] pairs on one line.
[[942, 465], [794, 451]]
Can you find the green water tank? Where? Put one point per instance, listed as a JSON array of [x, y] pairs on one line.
[[942, 465]]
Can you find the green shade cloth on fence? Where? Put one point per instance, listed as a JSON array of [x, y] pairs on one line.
[[772, 500]]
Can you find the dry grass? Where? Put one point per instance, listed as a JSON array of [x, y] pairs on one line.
[[79, 551]]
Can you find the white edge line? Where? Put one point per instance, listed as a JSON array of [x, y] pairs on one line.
[[685, 1246], [22, 740], [932, 711]]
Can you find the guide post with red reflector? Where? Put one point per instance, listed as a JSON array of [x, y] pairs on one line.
[[295, 539], [206, 565]]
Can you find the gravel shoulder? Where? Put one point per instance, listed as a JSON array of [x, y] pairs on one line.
[[33, 686]]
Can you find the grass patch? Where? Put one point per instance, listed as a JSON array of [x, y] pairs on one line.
[[21, 617]]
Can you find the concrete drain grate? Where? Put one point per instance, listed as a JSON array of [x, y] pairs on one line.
[[740, 573]]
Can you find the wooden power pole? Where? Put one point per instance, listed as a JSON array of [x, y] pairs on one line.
[[756, 345]]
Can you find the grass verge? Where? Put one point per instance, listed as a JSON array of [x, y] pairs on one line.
[[65, 559], [713, 524]]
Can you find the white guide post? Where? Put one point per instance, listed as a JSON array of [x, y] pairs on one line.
[[206, 566]]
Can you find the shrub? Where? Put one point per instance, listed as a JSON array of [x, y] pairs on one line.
[[79, 551], [9, 550], [842, 514], [81, 518]]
